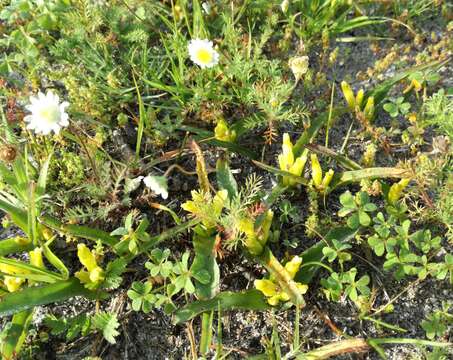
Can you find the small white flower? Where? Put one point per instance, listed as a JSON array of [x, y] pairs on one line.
[[202, 53], [158, 184], [299, 66], [284, 6], [206, 7], [47, 114]]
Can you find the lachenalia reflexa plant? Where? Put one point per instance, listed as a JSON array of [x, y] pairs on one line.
[[238, 218]]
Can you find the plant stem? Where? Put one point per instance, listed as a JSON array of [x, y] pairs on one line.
[[206, 332]]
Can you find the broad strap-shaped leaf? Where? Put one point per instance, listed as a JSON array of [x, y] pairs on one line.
[[41, 295], [316, 124], [380, 92], [204, 267], [347, 177], [245, 300], [11, 246], [79, 231]]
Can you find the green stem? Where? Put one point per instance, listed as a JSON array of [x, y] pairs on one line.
[[206, 332], [16, 334]]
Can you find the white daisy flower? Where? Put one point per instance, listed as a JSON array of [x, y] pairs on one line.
[[202, 53], [47, 114], [158, 184]]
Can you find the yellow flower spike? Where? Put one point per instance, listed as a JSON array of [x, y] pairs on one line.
[[316, 170], [359, 98], [267, 287], [13, 283], [368, 111], [397, 189], [327, 179], [292, 267], [36, 258], [348, 95], [287, 154]]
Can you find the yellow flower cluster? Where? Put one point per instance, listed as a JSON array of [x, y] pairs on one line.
[[256, 239], [94, 274], [355, 103], [223, 133], [271, 289], [288, 163], [205, 207]]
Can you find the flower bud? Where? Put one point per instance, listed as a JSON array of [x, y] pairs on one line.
[[369, 109], [8, 153], [348, 95], [316, 170]]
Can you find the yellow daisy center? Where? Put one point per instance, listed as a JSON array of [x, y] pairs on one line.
[[204, 56], [49, 114]]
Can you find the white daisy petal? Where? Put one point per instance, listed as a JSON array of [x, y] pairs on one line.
[[158, 184], [47, 114], [202, 53]]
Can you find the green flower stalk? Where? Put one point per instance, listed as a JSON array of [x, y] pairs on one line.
[[287, 162]]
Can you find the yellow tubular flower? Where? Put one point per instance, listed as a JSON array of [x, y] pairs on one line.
[[272, 290], [359, 98], [348, 95], [95, 273], [369, 109], [293, 266], [316, 170], [86, 257], [327, 179], [36, 258], [287, 162], [13, 283], [397, 189], [267, 287]]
